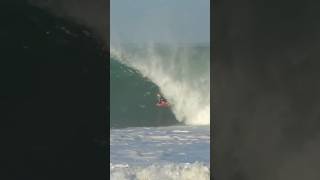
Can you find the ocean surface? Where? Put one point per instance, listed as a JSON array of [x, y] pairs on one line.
[[173, 152], [148, 142]]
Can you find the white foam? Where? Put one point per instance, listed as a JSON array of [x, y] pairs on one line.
[[182, 171], [179, 131], [140, 146]]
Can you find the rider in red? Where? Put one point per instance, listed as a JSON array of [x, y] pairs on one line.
[[161, 99]]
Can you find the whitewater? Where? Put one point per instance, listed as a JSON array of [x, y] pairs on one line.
[[145, 141], [157, 153]]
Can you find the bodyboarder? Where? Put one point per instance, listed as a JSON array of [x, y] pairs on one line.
[[162, 102]]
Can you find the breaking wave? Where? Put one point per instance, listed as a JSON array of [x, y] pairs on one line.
[[180, 73]]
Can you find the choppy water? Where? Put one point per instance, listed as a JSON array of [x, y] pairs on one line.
[[174, 152]]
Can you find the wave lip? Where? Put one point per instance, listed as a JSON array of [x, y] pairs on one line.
[[172, 171]]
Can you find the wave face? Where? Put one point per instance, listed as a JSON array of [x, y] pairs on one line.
[[132, 99], [180, 73]]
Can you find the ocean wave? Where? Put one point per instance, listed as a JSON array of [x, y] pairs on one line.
[[182, 74]]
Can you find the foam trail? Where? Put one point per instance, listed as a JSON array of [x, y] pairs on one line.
[[182, 74]]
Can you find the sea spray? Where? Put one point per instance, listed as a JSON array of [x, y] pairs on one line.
[[182, 74]]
